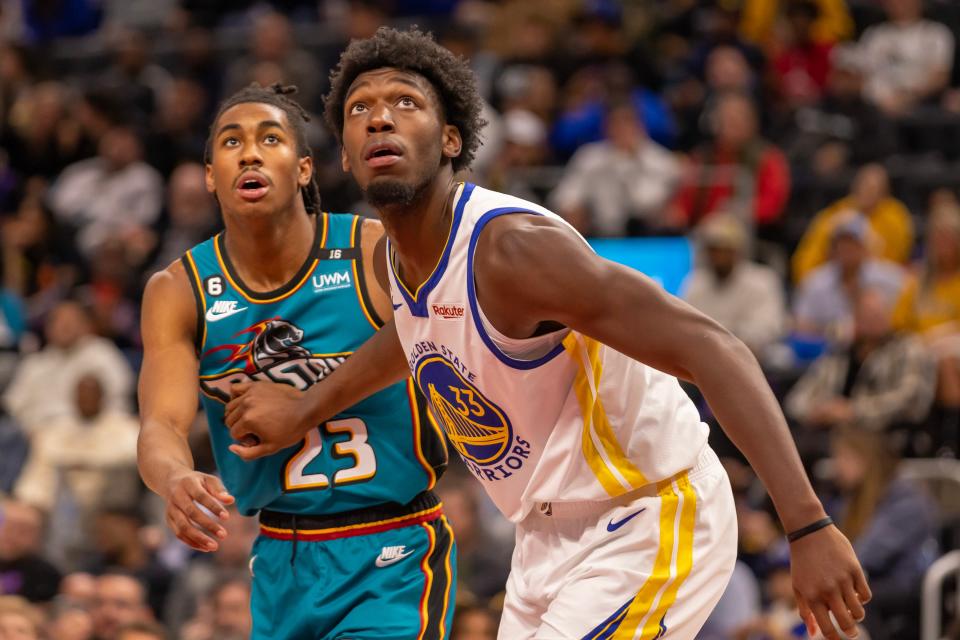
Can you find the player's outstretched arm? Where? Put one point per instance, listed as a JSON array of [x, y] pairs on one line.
[[533, 270], [168, 392]]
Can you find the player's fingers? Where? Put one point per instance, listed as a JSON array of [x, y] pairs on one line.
[[202, 519], [842, 615], [203, 496], [806, 614], [251, 453], [861, 586], [853, 602], [239, 388], [187, 533], [234, 411], [215, 486], [822, 616]]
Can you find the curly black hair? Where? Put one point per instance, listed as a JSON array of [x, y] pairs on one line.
[[275, 95], [416, 51]]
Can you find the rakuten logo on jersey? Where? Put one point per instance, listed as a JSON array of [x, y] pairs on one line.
[[448, 311]]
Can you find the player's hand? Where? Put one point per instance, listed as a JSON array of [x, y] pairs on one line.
[[186, 519], [265, 417], [827, 578]]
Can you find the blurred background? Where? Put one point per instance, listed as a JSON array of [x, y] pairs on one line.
[[790, 167]]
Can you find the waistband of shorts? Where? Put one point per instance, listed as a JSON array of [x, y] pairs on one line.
[[705, 462], [426, 507]]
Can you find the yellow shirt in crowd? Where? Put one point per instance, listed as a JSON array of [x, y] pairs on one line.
[[889, 221], [921, 312], [834, 24]]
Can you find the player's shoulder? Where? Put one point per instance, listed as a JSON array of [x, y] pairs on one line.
[[170, 285]]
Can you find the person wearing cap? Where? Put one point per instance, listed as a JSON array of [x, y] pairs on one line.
[[823, 303], [618, 186], [745, 297], [887, 217]]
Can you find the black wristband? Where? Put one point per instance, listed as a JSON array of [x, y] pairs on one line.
[[793, 536]]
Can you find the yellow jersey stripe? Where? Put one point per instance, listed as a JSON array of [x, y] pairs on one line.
[[356, 277], [311, 532], [428, 584], [417, 426], [203, 300], [662, 565], [581, 386], [684, 557], [602, 426]]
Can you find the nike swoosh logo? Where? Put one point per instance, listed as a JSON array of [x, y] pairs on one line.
[[397, 306], [386, 563], [613, 526], [213, 317]]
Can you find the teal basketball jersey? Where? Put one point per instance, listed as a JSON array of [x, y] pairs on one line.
[[384, 449]]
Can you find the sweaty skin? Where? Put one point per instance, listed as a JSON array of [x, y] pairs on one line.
[[534, 274], [269, 239]]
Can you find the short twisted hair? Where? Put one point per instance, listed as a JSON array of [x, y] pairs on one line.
[[416, 51], [275, 95]]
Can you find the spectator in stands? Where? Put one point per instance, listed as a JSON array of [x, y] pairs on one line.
[[275, 57], [909, 58], [23, 571], [892, 525], [43, 387], [120, 600], [737, 168], [473, 622], [121, 546], [619, 186], [180, 127], [133, 77], [888, 219], [482, 565], [802, 65], [201, 576], [41, 137], [879, 381], [228, 616], [85, 456], [745, 297], [759, 17], [109, 195], [19, 620], [842, 131], [70, 622], [930, 304], [14, 448], [78, 589], [192, 212], [524, 147], [824, 300], [142, 631]]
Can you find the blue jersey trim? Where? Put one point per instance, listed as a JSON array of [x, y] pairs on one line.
[[418, 302], [475, 307]]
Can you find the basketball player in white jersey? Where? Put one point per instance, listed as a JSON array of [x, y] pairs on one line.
[[554, 373]]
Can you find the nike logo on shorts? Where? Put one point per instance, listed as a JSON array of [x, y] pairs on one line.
[[613, 526], [392, 555]]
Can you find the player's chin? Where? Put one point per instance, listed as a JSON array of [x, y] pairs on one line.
[[385, 190]]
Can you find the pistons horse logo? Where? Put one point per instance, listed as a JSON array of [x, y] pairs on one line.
[[271, 350], [477, 428]]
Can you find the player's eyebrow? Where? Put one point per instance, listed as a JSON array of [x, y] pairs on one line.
[[265, 124], [402, 79]]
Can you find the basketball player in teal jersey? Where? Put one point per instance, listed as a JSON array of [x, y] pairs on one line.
[[554, 372], [353, 543]]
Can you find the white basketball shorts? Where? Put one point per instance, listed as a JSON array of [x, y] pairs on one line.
[[638, 568]]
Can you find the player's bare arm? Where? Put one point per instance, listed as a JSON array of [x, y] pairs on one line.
[[279, 415], [533, 273], [168, 390]]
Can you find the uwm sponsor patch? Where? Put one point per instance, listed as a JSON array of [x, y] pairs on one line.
[[447, 311]]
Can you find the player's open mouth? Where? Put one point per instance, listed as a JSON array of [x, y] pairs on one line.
[[382, 154], [252, 186]]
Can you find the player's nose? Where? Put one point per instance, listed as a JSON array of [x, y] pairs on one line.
[[380, 120]]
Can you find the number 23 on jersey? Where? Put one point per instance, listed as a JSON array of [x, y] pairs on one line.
[[295, 476]]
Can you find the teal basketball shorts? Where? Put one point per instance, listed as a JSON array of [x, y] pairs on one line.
[[385, 573]]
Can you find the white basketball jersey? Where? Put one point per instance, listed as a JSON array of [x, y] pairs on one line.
[[580, 422]]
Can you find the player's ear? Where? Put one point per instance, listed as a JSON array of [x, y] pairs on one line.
[[344, 161], [306, 171], [208, 178], [451, 141]]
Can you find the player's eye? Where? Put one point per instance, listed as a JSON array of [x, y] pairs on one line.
[[358, 108], [230, 142], [407, 101], [271, 138]]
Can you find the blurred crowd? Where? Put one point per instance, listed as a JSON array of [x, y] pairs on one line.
[[809, 149]]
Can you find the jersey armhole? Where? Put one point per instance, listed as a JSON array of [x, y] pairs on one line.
[[363, 295], [200, 334]]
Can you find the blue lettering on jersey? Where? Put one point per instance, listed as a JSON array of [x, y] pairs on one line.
[[477, 428]]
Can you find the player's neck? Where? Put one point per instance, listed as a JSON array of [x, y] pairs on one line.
[[267, 251], [419, 231]]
